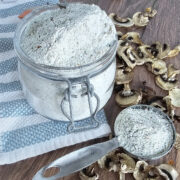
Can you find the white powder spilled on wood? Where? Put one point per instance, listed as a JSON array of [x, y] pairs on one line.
[[75, 36], [143, 132]]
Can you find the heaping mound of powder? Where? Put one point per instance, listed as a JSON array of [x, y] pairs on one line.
[[143, 132], [75, 36]]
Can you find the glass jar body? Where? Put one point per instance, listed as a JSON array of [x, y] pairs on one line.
[[45, 95]]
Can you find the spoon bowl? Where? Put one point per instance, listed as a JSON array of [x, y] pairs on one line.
[[162, 114]]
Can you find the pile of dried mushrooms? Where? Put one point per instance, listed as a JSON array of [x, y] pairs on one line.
[[122, 164], [133, 52]]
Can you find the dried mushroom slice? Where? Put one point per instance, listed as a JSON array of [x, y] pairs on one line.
[[128, 55], [133, 37], [169, 170], [157, 67], [127, 163], [156, 49], [163, 83], [140, 20], [145, 51], [159, 106], [158, 102], [88, 174], [164, 51], [139, 172], [109, 162], [174, 95], [177, 142], [172, 101], [174, 52], [143, 171], [172, 72], [123, 76], [159, 50], [170, 108], [121, 22], [168, 80], [143, 55], [128, 97], [122, 64], [154, 173], [149, 12]]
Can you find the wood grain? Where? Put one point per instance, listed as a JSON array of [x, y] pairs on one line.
[[165, 27]]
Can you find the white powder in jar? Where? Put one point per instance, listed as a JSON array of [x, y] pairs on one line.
[[143, 132], [68, 37]]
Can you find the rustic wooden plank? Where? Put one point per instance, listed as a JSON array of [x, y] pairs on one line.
[[165, 28]]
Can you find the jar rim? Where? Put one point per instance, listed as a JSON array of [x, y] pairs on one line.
[[52, 71]]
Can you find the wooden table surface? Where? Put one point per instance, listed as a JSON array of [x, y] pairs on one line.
[[165, 27]]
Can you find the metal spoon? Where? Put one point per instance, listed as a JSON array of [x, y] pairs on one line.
[[84, 157]]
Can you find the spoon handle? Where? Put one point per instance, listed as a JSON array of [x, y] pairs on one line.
[[78, 159]]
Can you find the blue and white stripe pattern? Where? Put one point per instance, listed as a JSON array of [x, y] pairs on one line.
[[23, 132]]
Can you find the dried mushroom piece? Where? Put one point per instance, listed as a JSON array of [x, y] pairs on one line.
[[145, 51], [139, 172], [174, 95], [169, 171], [172, 72], [133, 37], [88, 174], [121, 22], [157, 67], [143, 171], [149, 12], [123, 76], [128, 55], [168, 80], [117, 162], [163, 83], [158, 102], [174, 52], [155, 49], [109, 162], [140, 20], [144, 56], [127, 163], [172, 101], [122, 64], [164, 51], [170, 107], [154, 173], [159, 106], [160, 51], [128, 97], [177, 142]]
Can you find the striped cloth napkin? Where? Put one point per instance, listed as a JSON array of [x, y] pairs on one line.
[[23, 132]]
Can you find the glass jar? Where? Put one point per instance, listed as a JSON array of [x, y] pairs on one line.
[[65, 93]]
